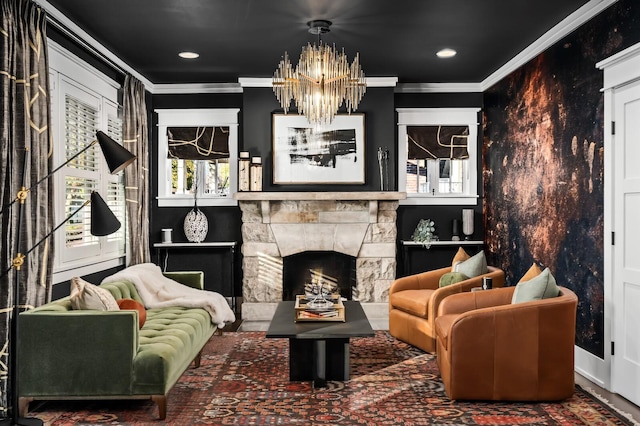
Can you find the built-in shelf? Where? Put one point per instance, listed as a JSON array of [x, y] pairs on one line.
[[408, 245], [444, 243], [226, 244]]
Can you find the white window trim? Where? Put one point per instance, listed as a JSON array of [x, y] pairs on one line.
[[433, 117], [64, 64], [226, 117]]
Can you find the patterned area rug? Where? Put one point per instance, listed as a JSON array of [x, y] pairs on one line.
[[243, 380]]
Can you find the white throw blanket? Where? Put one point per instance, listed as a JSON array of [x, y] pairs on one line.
[[158, 291]]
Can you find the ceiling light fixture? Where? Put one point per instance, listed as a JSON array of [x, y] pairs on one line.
[[446, 53], [321, 81], [189, 55]]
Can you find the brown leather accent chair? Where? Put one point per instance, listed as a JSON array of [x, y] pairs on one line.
[[491, 349], [414, 301]]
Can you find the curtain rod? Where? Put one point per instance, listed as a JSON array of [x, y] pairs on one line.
[[92, 50]]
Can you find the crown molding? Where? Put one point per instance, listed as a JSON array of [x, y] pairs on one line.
[[254, 82], [548, 39], [267, 81], [190, 88], [438, 88]]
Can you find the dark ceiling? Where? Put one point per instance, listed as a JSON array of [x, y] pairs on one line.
[[247, 38]]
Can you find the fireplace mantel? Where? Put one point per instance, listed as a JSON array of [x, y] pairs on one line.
[[361, 224], [336, 195]]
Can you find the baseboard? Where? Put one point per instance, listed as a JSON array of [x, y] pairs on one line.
[[592, 368]]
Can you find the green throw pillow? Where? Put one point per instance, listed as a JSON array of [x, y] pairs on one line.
[[452, 278], [474, 266], [540, 287]]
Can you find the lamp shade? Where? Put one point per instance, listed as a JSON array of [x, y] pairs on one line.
[[116, 155], [103, 222]]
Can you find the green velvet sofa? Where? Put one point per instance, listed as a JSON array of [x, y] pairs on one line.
[[90, 354]]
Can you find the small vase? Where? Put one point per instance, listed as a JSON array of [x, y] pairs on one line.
[[196, 225]]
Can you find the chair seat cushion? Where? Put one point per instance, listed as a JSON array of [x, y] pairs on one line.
[[443, 326], [414, 302]]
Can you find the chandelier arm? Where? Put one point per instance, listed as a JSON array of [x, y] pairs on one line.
[[339, 77], [306, 77]]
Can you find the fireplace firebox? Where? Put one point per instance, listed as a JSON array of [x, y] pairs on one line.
[[336, 271]]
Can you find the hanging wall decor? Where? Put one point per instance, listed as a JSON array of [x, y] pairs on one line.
[[304, 153]]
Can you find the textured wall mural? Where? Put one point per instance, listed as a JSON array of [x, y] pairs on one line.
[[543, 170]]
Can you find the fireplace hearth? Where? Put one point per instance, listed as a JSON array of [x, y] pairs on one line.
[[277, 225]]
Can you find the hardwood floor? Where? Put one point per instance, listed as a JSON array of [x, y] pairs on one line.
[[614, 399]]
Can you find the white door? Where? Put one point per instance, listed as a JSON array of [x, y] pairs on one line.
[[625, 362]]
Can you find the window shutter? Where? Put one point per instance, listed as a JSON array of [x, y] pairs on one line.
[[115, 201], [81, 122], [198, 143], [431, 142], [78, 228]]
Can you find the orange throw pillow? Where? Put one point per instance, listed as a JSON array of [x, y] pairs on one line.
[[460, 256], [533, 272], [133, 305]]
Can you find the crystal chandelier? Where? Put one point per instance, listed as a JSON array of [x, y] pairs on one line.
[[321, 81]]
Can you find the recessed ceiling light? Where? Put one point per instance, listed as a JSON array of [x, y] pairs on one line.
[[446, 53], [188, 55]]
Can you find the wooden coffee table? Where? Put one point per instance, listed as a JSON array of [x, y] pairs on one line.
[[319, 350]]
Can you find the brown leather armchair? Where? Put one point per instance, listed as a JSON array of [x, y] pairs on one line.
[[490, 349], [414, 301]]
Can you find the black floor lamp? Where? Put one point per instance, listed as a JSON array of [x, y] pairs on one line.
[[103, 222]]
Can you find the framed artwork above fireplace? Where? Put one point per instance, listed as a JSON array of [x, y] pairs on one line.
[[304, 153]]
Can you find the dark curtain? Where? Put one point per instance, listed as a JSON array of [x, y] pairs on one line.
[[24, 130], [198, 143], [136, 140], [431, 142]]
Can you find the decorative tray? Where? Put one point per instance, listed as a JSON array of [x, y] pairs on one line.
[[314, 310]]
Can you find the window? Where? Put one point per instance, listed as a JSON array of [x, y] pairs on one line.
[[82, 102], [197, 155], [199, 159], [437, 155]]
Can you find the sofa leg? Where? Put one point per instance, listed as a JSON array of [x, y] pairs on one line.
[[197, 359], [161, 400], [23, 406]]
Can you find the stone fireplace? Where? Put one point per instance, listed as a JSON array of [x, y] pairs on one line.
[[280, 224]]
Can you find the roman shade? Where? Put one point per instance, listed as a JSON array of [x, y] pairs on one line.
[[198, 143], [432, 142]]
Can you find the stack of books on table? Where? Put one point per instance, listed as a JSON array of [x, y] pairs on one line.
[[306, 310]]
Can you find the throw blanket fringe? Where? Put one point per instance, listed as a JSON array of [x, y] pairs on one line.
[[158, 291]]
